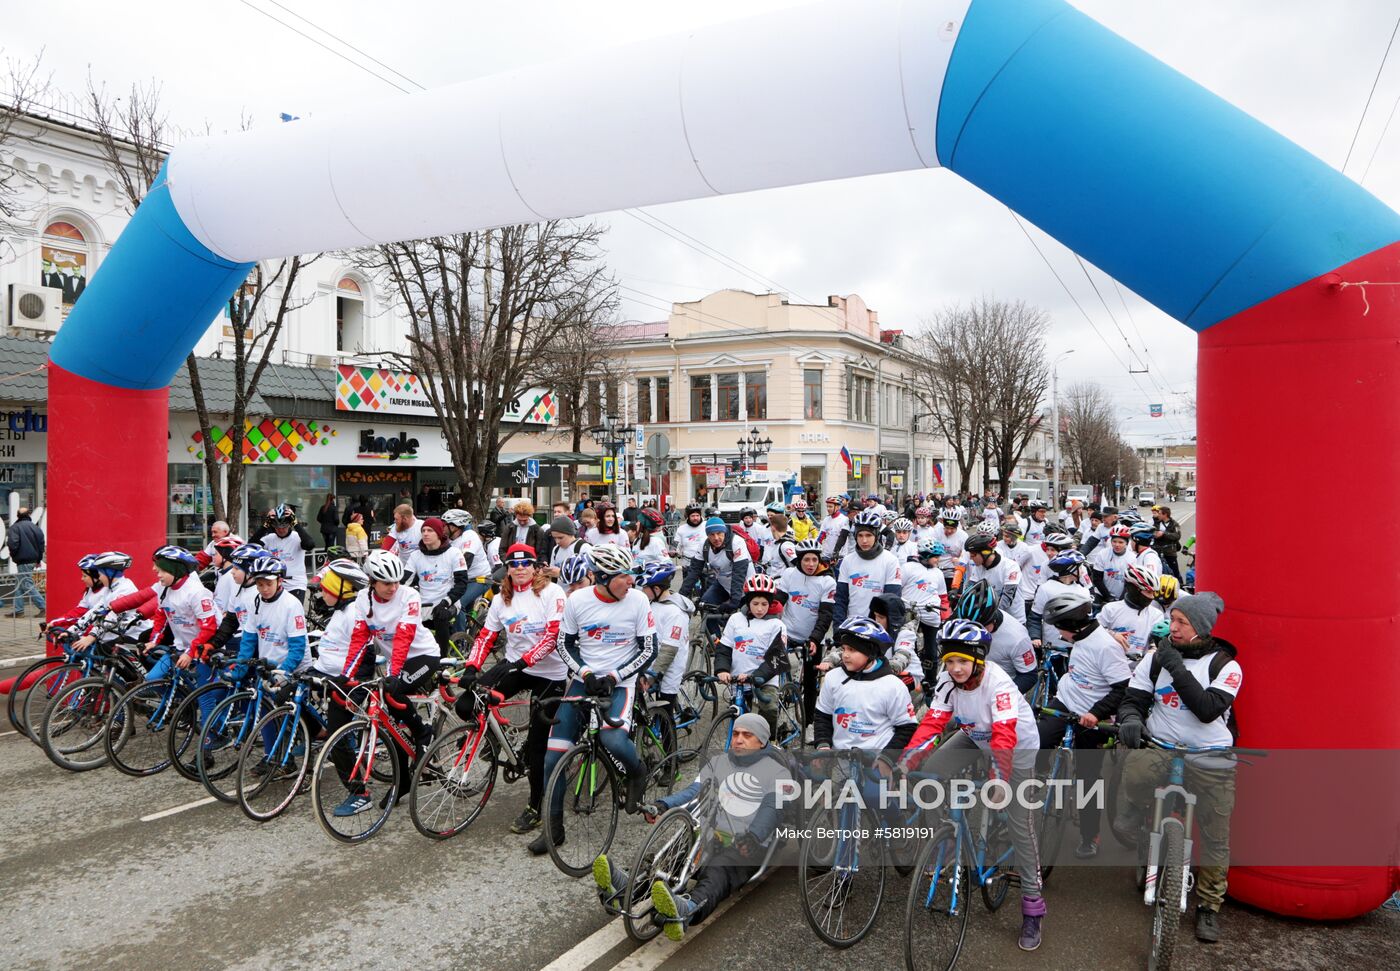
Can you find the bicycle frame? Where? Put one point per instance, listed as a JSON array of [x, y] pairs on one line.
[[1165, 807]]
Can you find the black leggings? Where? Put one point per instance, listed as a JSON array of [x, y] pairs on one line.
[[537, 736], [715, 882]]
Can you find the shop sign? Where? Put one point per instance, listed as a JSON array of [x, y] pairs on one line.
[[270, 440], [23, 435], [373, 477], [385, 392], [374, 446]]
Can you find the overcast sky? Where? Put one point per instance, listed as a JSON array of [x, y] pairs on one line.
[[907, 243]]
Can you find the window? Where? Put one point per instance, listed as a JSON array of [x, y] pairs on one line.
[[812, 393], [663, 399], [728, 397], [859, 407], [756, 394], [644, 399], [63, 259], [349, 317], [700, 398]]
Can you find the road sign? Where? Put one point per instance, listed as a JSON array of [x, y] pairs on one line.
[[855, 467], [658, 447], [639, 443], [1155, 410], [607, 469], [639, 471], [532, 468]]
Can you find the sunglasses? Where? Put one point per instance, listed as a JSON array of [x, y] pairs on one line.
[[513, 564]]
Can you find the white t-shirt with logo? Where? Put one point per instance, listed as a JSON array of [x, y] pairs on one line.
[[608, 630], [473, 553], [1113, 565], [334, 646], [672, 628], [381, 621], [185, 607], [273, 625], [830, 531], [1149, 559], [289, 550], [924, 586], [1011, 647], [1005, 581], [406, 540], [526, 621], [689, 538], [952, 548], [866, 579], [1120, 618], [1096, 664], [749, 640], [995, 700], [864, 712], [805, 597], [1169, 719], [435, 572]]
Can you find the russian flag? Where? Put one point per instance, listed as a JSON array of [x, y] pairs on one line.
[[938, 472], [846, 457]]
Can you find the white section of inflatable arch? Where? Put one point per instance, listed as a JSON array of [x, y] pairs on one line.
[[798, 95]]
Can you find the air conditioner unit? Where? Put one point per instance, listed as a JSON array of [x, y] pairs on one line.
[[35, 308], [324, 360], [675, 465]]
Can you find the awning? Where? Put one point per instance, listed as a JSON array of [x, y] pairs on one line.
[[548, 458]]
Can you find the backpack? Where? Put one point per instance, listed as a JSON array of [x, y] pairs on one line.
[[754, 552], [1218, 660]]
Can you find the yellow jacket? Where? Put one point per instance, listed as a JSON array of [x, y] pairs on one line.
[[805, 528]]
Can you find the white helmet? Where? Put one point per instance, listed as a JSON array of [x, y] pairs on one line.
[[385, 566], [457, 518], [609, 561]]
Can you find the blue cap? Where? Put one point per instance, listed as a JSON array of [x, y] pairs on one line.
[[715, 525]]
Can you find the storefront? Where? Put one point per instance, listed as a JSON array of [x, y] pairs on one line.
[[894, 474], [23, 454]]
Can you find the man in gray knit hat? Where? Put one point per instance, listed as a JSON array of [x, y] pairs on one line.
[[1182, 693], [566, 543]]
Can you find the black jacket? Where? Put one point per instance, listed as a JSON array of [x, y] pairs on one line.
[[1207, 704], [328, 520], [1169, 543], [25, 540], [534, 537]]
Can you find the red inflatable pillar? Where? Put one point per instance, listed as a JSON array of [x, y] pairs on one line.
[[1298, 424]]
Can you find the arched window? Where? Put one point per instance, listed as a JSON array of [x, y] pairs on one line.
[[63, 257], [349, 316]]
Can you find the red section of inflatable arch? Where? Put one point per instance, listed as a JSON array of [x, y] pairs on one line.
[[1302, 394]]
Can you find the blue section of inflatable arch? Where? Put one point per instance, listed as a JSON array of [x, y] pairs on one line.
[[1195, 205], [148, 303]]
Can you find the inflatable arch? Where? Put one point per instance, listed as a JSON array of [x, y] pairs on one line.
[[1215, 218]]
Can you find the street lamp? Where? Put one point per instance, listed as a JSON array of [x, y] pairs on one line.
[[1055, 429], [752, 448], [610, 436]]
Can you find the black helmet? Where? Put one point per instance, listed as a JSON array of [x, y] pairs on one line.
[[980, 544], [978, 603], [486, 529], [694, 507], [1070, 610]]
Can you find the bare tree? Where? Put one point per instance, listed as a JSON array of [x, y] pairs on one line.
[[486, 311], [132, 138], [581, 360], [24, 86], [945, 386], [1090, 438], [1014, 378]]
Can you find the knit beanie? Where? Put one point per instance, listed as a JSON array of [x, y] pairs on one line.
[[563, 524], [755, 724], [1201, 610]]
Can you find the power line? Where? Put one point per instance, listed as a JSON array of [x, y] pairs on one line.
[[1366, 107], [327, 47], [1380, 141], [342, 40]]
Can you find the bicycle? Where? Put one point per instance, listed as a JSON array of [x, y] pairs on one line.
[[145, 721], [48, 676], [721, 732], [1055, 814], [75, 721], [272, 764], [228, 729]]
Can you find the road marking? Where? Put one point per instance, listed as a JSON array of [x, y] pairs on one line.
[[178, 809], [591, 948], [661, 948], [14, 662], [7, 734]]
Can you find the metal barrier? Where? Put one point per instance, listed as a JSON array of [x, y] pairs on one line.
[[19, 636]]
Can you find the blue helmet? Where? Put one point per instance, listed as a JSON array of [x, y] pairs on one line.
[[931, 547], [1143, 533], [658, 573], [175, 560], [1066, 563], [864, 635], [978, 603], [246, 554], [574, 570], [964, 638], [88, 563]]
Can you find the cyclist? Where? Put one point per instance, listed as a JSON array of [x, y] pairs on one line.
[[226, 584], [863, 704], [904, 546], [691, 533], [287, 539], [671, 611], [1032, 560], [719, 572], [575, 573], [460, 533], [835, 529], [1130, 620], [1011, 647], [904, 657], [1092, 686], [953, 538], [1001, 573], [810, 592], [239, 605], [1066, 573], [1183, 693], [609, 528], [275, 632], [93, 594], [923, 582], [183, 606], [528, 612], [992, 716], [753, 646], [1097, 533], [439, 571], [650, 543], [389, 614], [1142, 536], [487, 530], [110, 568], [1035, 529], [804, 527], [781, 554], [869, 571], [924, 527], [609, 639], [403, 537], [1108, 564]]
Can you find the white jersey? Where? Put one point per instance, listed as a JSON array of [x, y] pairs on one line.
[[225, 590], [531, 623], [334, 646], [1169, 719], [924, 586], [473, 554], [1096, 664], [598, 538], [805, 598], [1035, 530], [991, 515], [866, 579], [689, 538], [1011, 648], [1049, 635], [906, 551], [1033, 571], [274, 626], [672, 616], [719, 564], [406, 540], [1021, 553], [864, 711], [953, 544], [996, 701], [830, 531], [1005, 581], [394, 626], [560, 554], [1149, 559], [921, 533], [288, 549], [493, 552], [749, 640], [186, 607], [435, 572], [608, 630], [653, 552], [123, 587], [1118, 618], [1113, 566]]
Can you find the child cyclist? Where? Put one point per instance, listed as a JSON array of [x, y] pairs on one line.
[[671, 612], [994, 718], [275, 632], [863, 704], [184, 607], [1130, 620], [575, 573], [609, 639], [110, 568], [339, 583], [527, 613], [439, 570], [810, 590], [753, 647]]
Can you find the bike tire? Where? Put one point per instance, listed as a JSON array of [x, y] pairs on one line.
[[995, 887], [661, 856], [221, 741], [936, 913], [182, 748], [15, 701], [137, 732], [717, 738], [655, 737], [75, 722], [42, 693], [265, 797], [590, 808], [452, 782], [826, 891], [1166, 911], [363, 743], [1054, 815]]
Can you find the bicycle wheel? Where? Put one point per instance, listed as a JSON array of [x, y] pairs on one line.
[[693, 709], [272, 766], [717, 738], [137, 730], [41, 694], [662, 856], [935, 917], [187, 728], [1166, 911], [14, 702], [359, 747], [222, 738], [842, 898], [591, 793], [1000, 859], [74, 723], [452, 782], [655, 737], [1054, 815], [790, 729]]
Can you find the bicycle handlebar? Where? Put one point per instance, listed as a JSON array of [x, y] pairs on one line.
[[577, 699], [1105, 727], [1200, 749]]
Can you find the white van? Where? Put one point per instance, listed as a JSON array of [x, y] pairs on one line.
[[754, 494]]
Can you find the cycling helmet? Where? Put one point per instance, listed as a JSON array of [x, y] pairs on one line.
[[658, 573], [1161, 629], [903, 525], [759, 585], [88, 564], [966, 639], [924, 511], [864, 635], [868, 521], [574, 570], [931, 547], [1069, 609], [650, 520], [486, 529], [748, 511], [978, 603], [457, 519], [799, 505], [1035, 504], [694, 507], [1066, 563], [1142, 534], [888, 517], [775, 507], [1012, 527], [267, 566], [1143, 579], [225, 545], [246, 554], [981, 543], [807, 546], [1167, 590], [284, 515], [342, 579], [1118, 530], [385, 567], [609, 561], [111, 562], [833, 501], [951, 516], [175, 560], [1058, 541], [986, 528]]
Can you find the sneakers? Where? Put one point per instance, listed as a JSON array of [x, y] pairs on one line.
[[676, 909], [612, 881], [354, 804], [528, 819], [540, 845], [1032, 912], [265, 768], [1207, 926], [1087, 849]]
